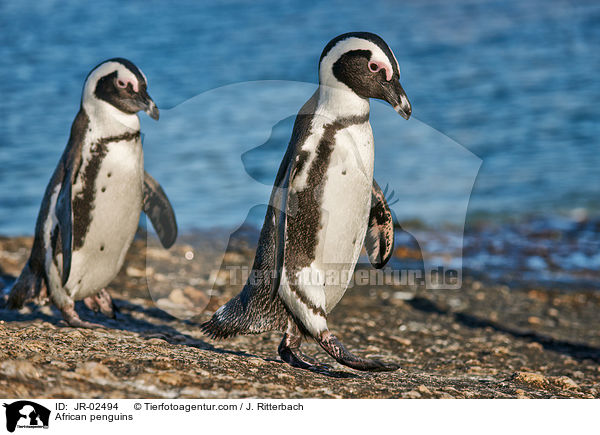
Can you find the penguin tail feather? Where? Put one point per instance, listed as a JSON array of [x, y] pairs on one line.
[[228, 321], [29, 286], [246, 314]]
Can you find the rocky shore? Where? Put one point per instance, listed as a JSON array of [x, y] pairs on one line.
[[486, 340]]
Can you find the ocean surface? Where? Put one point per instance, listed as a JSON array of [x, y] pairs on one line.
[[505, 99]]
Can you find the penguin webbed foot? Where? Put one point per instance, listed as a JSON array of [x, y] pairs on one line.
[[72, 318], [338, 351], [102, 302], [290, 353], [296, 358]]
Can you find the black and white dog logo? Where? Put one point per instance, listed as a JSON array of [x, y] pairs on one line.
[[26, 414]]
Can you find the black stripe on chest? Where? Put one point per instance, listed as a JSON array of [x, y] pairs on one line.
[[303, 228], [83, 202]]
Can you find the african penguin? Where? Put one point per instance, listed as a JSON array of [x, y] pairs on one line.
[[91, 208], [325, 204]]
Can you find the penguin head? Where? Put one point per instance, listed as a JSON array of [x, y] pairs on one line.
[[120, 84], [364, 63]]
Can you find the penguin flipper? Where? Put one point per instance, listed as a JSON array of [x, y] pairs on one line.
[[68, 169], [157, 207], [280, 197], [64, 215], [379, 241], [280, 202]]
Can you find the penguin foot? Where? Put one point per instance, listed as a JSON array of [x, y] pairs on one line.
[[72, 318], [102, 302], [296, 358], [289, 351], [336, 349]]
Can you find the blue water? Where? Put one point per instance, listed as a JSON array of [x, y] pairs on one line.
[[511, 85]]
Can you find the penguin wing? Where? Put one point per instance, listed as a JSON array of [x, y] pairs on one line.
[[67, 171], [379, 241], [280, 197], [64, 216], [279, 202], [158, 208]]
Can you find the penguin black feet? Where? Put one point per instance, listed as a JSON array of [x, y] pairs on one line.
[[336, 349], [289, 351], [102, 302]]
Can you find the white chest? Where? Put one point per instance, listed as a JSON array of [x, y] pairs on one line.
[[345, 208], [346, 196], [116, 207]]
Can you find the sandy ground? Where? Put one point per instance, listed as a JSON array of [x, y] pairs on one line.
[[482, 341]]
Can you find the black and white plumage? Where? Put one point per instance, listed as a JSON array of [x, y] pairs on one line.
[[324, 206], [91, 208]]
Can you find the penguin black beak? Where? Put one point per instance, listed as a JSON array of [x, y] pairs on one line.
[[146, 104], [395, 95], [152, 111]]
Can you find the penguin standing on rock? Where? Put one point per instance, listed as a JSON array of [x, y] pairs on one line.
[[91, 208], [324, 206]]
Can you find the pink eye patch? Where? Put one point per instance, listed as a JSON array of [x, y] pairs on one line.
[[376, 66], [123, 84]]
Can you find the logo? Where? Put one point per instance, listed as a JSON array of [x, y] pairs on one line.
[[26, 414]]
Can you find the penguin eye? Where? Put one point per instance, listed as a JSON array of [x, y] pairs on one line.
[[373, 66], [121, 83]]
